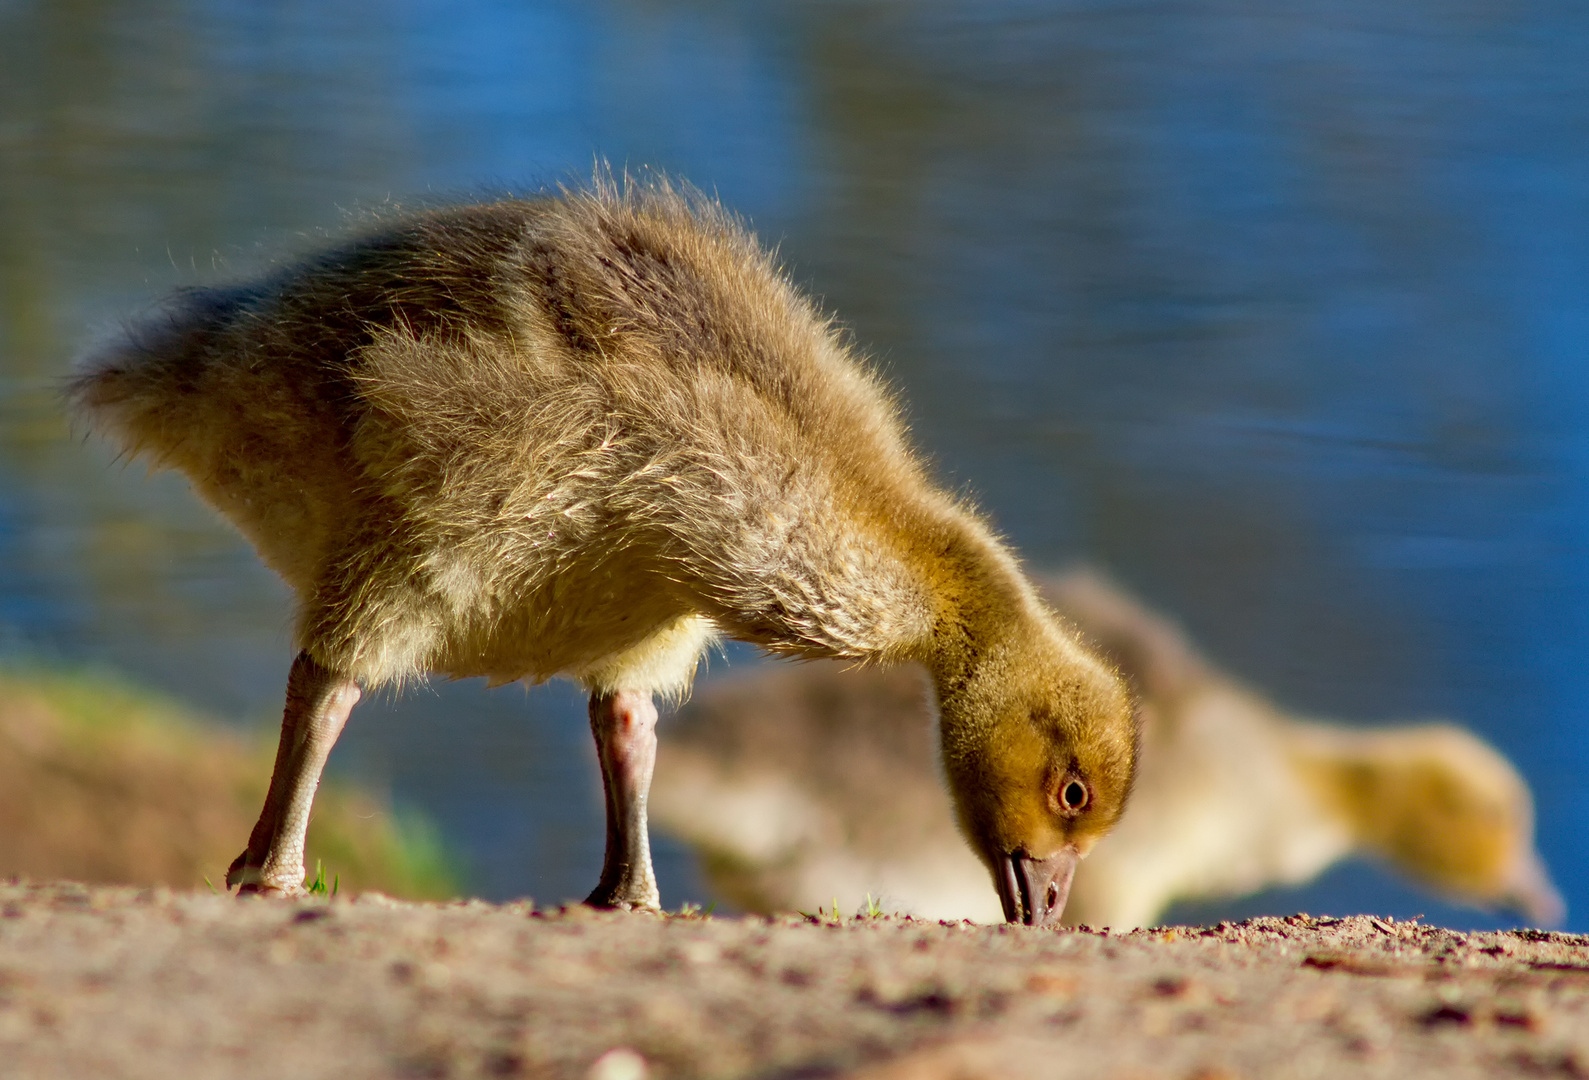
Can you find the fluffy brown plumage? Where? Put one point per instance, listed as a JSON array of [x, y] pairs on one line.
[[583, 435], [800, 786]]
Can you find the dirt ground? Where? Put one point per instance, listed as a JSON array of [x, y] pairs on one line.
[[109, 981]]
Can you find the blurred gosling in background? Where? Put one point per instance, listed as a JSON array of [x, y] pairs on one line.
[[801, 786]]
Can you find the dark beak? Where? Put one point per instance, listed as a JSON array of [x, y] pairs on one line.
[[1034, 891]]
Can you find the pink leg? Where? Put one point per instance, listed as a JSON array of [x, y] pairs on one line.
[[625, 726], [318, 703]]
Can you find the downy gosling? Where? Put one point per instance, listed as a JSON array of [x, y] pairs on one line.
[[802, 785], [585, 435]]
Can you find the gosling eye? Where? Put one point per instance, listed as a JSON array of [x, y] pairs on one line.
[[1073, 796]]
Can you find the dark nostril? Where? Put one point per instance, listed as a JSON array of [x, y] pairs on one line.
[[1074, 796], [1053, 895]]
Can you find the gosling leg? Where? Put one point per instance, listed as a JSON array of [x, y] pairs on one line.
[[318, 703], [625, 726]]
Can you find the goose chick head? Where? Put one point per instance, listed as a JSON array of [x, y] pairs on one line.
[[1442, 805], [1039, 747]]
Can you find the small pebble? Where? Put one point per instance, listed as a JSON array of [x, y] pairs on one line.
[[620, 1063]]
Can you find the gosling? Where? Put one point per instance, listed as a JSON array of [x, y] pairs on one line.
[[798, 786], [585, 435]]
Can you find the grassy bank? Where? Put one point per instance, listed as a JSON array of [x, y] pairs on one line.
[[102, 781]]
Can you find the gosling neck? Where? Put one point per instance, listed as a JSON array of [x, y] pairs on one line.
[[984, 613]]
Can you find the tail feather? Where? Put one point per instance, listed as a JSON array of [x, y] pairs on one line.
[[138, 389]]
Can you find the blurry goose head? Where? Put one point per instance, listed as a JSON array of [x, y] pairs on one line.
[[1441, 805]]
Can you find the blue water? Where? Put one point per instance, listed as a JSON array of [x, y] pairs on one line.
[[1279, 311]]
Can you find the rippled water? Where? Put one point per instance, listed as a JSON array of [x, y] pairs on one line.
[[1277, 310]]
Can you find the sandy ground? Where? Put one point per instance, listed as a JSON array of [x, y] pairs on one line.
[[109, 981]]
